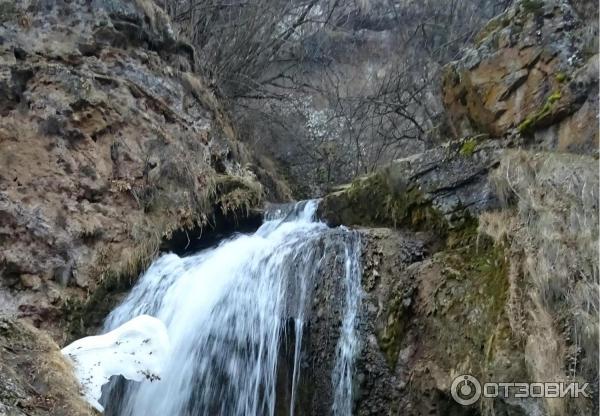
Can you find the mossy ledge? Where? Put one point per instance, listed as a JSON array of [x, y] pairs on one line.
[[376, 200]]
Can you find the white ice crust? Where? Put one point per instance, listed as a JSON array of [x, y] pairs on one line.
[[137, 350]]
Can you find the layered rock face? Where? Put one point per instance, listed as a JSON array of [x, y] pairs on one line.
[[488, 266], [534, 68], [110, 143]]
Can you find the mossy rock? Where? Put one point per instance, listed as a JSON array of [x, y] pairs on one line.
[[473, 274], [532, 6], [468, 147], [542, 117], [382, 200], [237, 195], [468, 308], [561, 77], [498, 22], [397, 320]]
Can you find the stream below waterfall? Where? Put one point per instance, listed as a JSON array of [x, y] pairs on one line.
[[230, 309]]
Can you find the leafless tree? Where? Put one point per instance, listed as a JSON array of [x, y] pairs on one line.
[[283, 67], [249, 48]]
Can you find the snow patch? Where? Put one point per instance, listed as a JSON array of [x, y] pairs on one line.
[[137, 350]]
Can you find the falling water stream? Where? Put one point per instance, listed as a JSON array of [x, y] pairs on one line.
[[226, 310]]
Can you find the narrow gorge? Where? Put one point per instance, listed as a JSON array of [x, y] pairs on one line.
[[134, 183]]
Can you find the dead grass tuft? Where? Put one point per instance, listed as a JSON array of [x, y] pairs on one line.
[[551, 226], [41, 378]]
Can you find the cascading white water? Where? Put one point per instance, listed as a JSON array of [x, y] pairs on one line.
[[226, 309], [348, 343]]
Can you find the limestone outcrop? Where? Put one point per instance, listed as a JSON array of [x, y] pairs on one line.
[[109, 144], [534, 71]]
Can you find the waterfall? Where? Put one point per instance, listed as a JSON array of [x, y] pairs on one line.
[[348, 344], [227, 309]]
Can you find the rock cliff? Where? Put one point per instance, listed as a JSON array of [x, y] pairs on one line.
[[488, 266], [534, 69], [111, 148], [111, 144]]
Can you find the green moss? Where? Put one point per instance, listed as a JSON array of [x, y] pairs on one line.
[[469, 302], [561, 77], [492, 26], [532, 6], [460, 246], [463, 236], [410, 209], [466, 310], [375, 201], [532, 122], [391, 335], [556, 95], [468, 147]]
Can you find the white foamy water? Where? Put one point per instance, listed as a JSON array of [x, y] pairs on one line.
[[226, 309]]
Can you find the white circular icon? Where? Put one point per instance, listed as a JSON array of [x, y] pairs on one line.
[[465, 389]]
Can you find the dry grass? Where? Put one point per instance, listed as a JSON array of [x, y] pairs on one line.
[[551, 225], [159, 20], [31, 358], [237, 195]]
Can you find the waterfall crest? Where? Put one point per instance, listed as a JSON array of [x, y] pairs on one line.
[[227, 309]]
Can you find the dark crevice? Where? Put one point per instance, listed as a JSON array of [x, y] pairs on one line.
[[184, 242]]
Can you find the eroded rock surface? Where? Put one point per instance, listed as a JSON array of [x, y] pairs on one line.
[[530, 71], [109, 143]]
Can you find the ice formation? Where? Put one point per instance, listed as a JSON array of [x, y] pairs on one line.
[[136, 350]]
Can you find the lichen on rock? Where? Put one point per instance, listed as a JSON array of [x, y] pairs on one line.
[[510, 78]]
